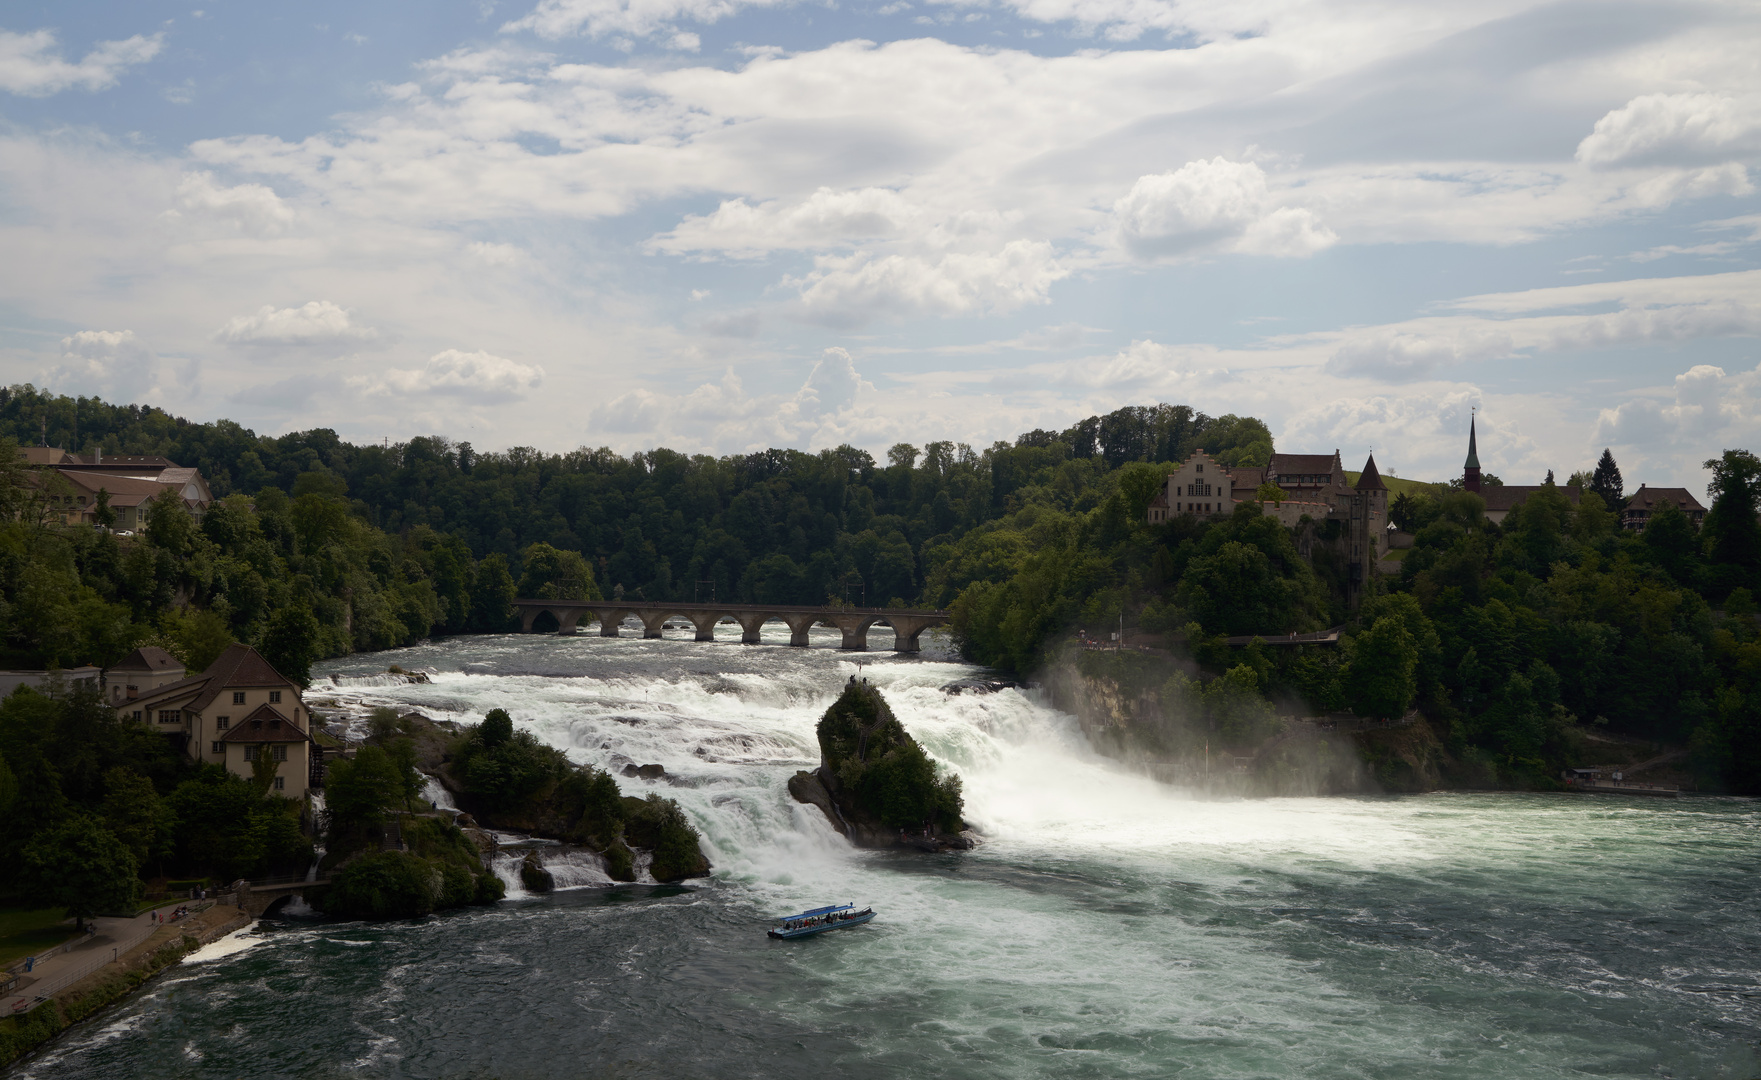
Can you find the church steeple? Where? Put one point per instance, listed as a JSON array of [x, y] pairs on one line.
[[1470, 476]]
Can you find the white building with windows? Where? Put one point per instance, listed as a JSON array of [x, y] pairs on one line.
[[1200, 487], [232, 714]]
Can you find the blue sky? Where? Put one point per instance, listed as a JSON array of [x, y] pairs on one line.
[[720, 225]]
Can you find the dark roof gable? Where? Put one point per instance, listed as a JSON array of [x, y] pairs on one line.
[[239, 666], [148, 658], [1304, 464], [1648, 497], [264, 724], [1506, 496], [1370, 479]]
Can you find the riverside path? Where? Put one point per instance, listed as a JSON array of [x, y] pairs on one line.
[[854, 622]]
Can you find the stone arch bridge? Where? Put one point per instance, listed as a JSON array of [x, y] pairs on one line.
[[854, 622]]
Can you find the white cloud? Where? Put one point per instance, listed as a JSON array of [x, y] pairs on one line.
[[31, 66], [829, 408], [1547, 322], [1672, 128], [1398, 354], [831, 387], [318, 322], [479, 376], [493, 254], [252, 209], [115, 363], [846, 290], [640, 18], [1214, 205], [826, 218], [1704, 412]]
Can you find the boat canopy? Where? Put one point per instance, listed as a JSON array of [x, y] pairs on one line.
[[815, 912]]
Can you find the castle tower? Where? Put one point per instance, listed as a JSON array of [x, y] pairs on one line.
[[1470, 475]]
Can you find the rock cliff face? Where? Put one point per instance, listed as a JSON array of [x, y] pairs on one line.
[[875, 784]]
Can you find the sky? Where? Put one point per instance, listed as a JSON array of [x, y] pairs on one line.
[[726, 225]]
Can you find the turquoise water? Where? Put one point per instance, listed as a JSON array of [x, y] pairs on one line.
[[1107, 927]]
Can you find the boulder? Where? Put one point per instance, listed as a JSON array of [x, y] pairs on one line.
[[875, 784], [806, 787], [534, 876]]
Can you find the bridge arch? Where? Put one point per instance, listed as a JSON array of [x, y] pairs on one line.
[[907, 625]]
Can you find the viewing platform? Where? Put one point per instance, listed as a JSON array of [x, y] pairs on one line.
[[1603, 782]]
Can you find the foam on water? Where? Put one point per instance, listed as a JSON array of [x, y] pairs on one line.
[[1107, 925], [236, 942]]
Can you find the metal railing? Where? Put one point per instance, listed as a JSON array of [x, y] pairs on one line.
[[43, 989]]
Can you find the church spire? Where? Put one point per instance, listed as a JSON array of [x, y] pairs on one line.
[[1470, 475]]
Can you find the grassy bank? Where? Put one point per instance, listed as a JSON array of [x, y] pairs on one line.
[[29, 932]]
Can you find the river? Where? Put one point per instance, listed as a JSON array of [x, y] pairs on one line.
[[1108, 926]]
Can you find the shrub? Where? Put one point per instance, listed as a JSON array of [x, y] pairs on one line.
[[385, 885]]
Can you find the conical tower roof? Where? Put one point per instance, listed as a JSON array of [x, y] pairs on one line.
[[1370, 479], [1473, 450]]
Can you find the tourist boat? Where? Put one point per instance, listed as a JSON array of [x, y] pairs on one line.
[[819, 920]]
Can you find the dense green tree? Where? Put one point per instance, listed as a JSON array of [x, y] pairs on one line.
[[553, 574], [363, 791], [1732, 531], [135, 814], [385, 885], [103, 514], [8, 786], [291, 643], [1243, 718], [81, 866], [1606, 482], [1382, 672], [492, 599]]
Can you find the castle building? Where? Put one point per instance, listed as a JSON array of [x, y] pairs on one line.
[[1316, 489]]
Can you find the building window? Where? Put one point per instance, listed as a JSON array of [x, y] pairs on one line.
[[275, 697], [280, 752], [238, 697], [217, 747], [251, 752], [221, 723], [280, 783], [137, 716], [1201, 468], [275, 725], [170, 716]]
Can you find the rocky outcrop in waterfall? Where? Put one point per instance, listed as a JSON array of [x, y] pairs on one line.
[[874, 782], [504, 778]]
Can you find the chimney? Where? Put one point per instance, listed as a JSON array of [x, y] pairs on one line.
[[98, 455]]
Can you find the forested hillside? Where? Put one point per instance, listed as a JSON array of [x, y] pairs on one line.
[[1518, 640], [1515, 639], [773, 527]]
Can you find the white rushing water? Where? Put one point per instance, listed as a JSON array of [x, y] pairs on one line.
[[1107, 925]]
